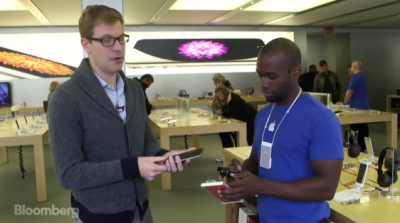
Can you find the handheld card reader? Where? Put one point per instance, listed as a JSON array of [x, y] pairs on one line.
[[362, 174]]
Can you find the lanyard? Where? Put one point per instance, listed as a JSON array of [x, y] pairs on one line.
[[266, 124]]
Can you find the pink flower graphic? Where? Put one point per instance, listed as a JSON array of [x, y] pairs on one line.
[[202, 48]]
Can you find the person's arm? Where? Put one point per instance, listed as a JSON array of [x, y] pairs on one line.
[[66, 139], [354, 82], [148, 105], [316, 83], [326, 155]]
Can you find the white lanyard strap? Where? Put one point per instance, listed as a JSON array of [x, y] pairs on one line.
[[266, 124]]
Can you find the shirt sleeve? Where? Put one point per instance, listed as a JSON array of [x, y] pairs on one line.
[[353, 82], [326, 137]]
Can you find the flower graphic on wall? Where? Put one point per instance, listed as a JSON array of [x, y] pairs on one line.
[[202, 49]]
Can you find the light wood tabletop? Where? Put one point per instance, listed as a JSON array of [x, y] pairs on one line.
[[378, 209], [195, 101], [9, 137], [194, 126]]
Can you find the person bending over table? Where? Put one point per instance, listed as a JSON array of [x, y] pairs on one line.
[[235, 107], [102, 145], [296, 159]]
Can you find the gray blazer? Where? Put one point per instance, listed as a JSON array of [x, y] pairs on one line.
[[95, 154]]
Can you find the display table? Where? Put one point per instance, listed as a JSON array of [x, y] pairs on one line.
[[194, 126], [379, 209], [8, 137], [159, 103], [359, 117], [24, 110]]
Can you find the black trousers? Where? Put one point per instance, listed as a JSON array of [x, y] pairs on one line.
[[363, 131], [226, 138]]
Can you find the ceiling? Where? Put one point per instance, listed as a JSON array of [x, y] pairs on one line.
[[337, 13]]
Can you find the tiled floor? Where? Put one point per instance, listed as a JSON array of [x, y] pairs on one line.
[[187, 202]]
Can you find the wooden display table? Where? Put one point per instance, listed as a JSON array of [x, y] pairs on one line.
[[8, 137], [24, 110], [359, 117], [379, 209], [249, 99], [195, 126]]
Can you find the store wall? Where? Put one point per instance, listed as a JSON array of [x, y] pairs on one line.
[[34, 90], [379, 53]]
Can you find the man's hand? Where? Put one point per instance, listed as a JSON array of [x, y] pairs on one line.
[[149, 168], [235, 165], [245, 185], [219, 111], [174, 163], [339, 103]]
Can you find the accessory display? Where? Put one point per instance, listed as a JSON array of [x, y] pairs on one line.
[[385, 179], [251, 91], [182, 93], [354, 148]]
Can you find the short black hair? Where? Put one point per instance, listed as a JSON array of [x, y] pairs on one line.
[[148, 77], [312, 66], [287, 47], [323, 63]]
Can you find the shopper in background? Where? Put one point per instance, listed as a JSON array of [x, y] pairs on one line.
[[146, 81], [52, 88], [296, 160], [327, 82], [101, 141], [235, 107], [306, 81], [357, 97]]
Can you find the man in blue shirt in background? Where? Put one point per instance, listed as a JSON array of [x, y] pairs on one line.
[[357, 95], [297, 155]]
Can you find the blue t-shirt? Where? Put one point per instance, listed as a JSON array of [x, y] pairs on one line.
[[309, 132], [359, 85]]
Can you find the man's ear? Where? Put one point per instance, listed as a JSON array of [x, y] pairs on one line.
[[86, 45], [296, 72]]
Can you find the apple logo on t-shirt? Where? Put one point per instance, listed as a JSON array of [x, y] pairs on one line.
[[271, 127]]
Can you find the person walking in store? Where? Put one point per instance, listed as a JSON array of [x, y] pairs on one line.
[[235, 107], [327, 82], [296, 160], [215, 104], [357, 97], [306, 81], [102, 145], [146, 81], [52, 88]]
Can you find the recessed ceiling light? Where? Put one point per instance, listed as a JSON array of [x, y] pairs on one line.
[[11, 5], [225, 5], [287, 5]]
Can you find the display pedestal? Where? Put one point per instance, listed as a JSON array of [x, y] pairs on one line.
[[351, 196], [390, 193]]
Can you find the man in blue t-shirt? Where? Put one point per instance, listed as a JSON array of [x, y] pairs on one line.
[[357, 95], [297, 155]]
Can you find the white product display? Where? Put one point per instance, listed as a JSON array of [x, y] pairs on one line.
[[244, 214], [351, 196]]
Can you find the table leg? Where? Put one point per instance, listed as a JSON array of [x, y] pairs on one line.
[[4, 154], [242, 137], [40, 169], [196, 141], [391, 132], [228, 207], [165, 177]]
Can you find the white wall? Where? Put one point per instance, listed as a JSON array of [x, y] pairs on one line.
[[34, 91]]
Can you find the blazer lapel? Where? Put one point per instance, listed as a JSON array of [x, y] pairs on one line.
[[130, 102]]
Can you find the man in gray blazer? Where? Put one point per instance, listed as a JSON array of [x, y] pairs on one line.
[[101, 141]]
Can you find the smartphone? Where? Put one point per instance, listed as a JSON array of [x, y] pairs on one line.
[[368, 144], [362, 173], [191, 154]]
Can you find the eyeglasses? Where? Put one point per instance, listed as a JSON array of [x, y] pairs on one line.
[[110, 41]]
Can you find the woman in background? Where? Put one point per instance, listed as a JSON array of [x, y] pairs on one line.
[[216, 105], [52, 88]]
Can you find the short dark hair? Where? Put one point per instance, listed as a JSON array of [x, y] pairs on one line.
[[312, 66], [148, 77], [287, 47], [323, 63]]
